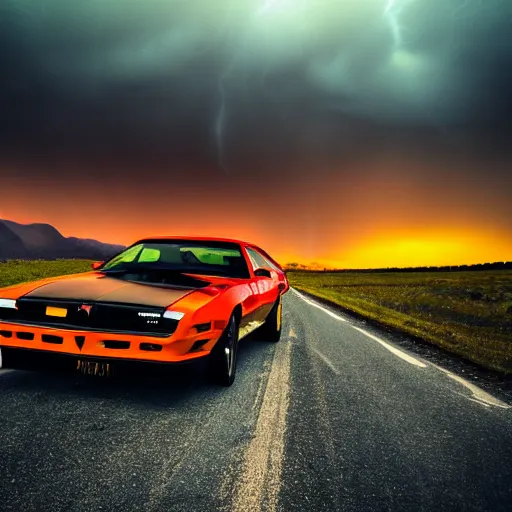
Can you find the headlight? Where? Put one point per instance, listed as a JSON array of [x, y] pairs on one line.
[[174, 315], [8, 303]]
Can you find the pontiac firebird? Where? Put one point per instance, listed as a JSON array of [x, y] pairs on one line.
[[162, 300]]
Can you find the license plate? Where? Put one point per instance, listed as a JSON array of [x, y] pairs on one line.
[[93, 368], [60, 312]]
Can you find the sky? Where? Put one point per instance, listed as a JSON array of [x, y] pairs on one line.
[[354, 134]]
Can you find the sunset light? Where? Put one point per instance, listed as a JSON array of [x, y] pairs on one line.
[[429, 249]]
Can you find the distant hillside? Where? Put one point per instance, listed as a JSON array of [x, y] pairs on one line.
[[43, 241]]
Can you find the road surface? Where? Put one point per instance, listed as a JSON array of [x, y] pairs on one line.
[[333, 417]]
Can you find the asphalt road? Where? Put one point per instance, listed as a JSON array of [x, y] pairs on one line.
[[331, 418]]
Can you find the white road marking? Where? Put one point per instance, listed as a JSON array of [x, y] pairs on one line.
[[399, 353], [312, 303], [292, 334], [260, 477], [479, 395], [326, 361], [474, 400]]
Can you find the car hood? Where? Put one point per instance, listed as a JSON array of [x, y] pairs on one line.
[[99, 287]]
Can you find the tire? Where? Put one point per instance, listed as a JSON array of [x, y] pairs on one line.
[[222, 363], [271, 329]]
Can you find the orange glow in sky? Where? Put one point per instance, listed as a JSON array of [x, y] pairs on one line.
[[426, 249], [380, 217]]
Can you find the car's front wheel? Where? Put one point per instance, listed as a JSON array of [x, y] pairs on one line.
[[224, 355]]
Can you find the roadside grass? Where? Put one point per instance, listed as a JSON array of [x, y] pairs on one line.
[[466, 313], [18, 271]]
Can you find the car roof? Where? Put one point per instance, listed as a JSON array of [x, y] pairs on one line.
[[198, 238]]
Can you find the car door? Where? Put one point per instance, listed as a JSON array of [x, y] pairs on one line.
[[265, 286]]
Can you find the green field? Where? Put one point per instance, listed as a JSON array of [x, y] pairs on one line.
[[16, 271], [467, 313]]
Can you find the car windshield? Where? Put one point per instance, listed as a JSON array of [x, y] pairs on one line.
[[183, 256]]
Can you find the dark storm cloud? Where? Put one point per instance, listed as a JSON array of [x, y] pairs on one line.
[[251, 84]]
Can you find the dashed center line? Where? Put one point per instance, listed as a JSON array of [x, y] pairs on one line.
[[326, 361]]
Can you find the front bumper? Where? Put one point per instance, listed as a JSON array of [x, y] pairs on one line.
[[44, 361], [108, 346]]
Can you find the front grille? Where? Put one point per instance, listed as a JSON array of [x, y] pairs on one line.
[[106, 317], [7, 314], [27, 336], [50, 338], [116, 344]]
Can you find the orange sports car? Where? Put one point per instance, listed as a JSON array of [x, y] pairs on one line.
[[162, 300]]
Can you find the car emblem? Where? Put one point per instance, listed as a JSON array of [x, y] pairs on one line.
[[86, 308]]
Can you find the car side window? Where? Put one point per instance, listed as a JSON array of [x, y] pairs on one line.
[[257, 260], [270, 264]]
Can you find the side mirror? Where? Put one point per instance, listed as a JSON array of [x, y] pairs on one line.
[[262, 272], [97, 264]]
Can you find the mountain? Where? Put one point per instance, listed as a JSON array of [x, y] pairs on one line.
[[43, 241]]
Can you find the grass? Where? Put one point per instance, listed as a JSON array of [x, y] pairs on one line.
[[17, 271], [467, 313]]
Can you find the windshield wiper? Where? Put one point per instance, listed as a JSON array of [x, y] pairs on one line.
[[143, 267], [162, 267], [207, 272]]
